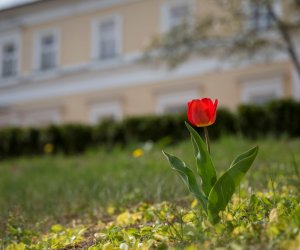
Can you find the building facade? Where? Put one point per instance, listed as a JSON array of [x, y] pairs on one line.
[[64, 61]]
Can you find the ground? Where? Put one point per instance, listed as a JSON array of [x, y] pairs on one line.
[[117, 199]]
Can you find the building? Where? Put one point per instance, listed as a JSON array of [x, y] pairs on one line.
[[68, 61]]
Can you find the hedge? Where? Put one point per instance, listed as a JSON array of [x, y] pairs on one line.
[[276, 118]]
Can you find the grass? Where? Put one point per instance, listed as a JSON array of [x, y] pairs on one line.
[[50, 195]]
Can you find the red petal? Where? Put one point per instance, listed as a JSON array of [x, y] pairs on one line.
[[202, 112], [189, 112]]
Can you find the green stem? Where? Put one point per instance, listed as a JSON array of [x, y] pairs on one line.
[[207, 139]]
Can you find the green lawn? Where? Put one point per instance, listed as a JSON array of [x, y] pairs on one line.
[[77, 192]]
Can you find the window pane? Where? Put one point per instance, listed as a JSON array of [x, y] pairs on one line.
[[9, 49], [175, 109], [47, 41], [107, 43], [260, 19], [47, 60], [262, 99], [179, 14], [48, 52], [9, 60]]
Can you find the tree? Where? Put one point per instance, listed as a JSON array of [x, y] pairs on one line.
[[236, 28]]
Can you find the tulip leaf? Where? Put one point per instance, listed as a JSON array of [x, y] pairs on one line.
[[188, 177], [205, 167], [225, 186]]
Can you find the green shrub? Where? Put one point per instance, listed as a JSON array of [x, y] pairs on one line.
[[31, 141], [108, 133], [51, 135], [12, 142], [276, 118], [75, 138], [284, 117], [226, 124], [253, 121]]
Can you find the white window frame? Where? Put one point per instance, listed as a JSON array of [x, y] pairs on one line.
[[296, 84], [8, 117], [246, 5], [102, 109], [165, 12], [96, 36], [5, 118], [177, 98], [16, 40], [273, 85], [36, 116], [55, 32]]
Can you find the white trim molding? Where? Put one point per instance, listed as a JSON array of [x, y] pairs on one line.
[[128, 74], [37, 48], [59, 12]]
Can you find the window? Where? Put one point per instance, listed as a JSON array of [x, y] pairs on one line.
[[8, 117], [178, 14], [175, 13], [175, 109], [41, 117], [9, 60], [259, 18], [260, 91], [296, 84], [106, 38], [175, 102], [47, 50], [48, 53], [107, 41], [4, 117], [9, 56], [105, 110]]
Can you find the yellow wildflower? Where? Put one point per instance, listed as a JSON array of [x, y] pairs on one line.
[[48, 148], [137, 153]]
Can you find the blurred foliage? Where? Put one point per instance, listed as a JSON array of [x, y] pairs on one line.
[[277, 118], [102, 199], [228, 30], [256, 222]]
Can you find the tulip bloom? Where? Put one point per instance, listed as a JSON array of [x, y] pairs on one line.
[[202, 112]]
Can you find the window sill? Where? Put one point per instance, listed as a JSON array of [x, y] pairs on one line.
[[109, 63], [9, 81], [94, 65], [115, 62], [38, 75]]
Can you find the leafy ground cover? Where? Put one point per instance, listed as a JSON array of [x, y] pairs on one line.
[[119, 200]]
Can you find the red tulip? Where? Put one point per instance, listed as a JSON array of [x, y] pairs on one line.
[[202, 112]]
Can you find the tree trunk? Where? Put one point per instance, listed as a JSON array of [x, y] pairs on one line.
[[284, 32]]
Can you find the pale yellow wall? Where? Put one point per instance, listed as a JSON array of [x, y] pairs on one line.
[[142, 99], [141, 21], [27, 51], [141, 24], [75, 40]]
